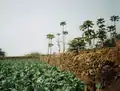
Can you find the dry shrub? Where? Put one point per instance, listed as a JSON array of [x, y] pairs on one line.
[[86, 64]]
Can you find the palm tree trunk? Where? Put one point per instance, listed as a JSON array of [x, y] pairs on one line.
[[102, 44], [64, 44], [93, 43], [48, 48], [49, 51], [115, 28], [115, 32], [90, 44], [63, 40], [51, 46], [59, 48], [58, 44]]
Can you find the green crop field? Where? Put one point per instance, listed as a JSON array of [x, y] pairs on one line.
[[33, 75]]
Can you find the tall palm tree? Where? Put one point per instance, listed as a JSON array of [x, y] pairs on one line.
[[63, 33], [101, 33], [114, 19], [88, 31], [50, 37], [58, 34]]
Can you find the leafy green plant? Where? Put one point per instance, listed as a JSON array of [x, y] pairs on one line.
[[33, 75]]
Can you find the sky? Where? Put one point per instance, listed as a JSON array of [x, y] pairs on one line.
[[24, 24]]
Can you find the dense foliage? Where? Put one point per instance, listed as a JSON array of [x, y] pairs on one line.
[[97, 35], [76, 44], [110, 43], [32, 75], [34, 54], [2, 53], [118, 36]]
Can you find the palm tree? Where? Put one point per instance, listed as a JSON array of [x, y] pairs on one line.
[[88, 31], [50, 37], [101, 33], [114, 19], [58, 34], [64, 33]]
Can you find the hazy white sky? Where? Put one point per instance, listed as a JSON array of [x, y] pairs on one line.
[[24, 23]]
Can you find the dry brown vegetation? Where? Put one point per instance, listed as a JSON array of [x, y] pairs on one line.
[[86, 64]]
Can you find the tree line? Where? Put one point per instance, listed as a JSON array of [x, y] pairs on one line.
[[50, 36], [92, 37]]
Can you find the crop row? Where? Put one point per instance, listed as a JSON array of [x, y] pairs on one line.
[[33, 75]]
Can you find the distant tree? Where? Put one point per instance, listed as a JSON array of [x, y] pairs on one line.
[[114, 19], [50, 37], [101, 33], [76, 44], [2, 53], [64, 33], [88, 31], [33, 54]]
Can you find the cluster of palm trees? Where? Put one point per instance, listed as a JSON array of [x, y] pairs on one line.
[[91, 37], [50, 36], [90, 34]]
